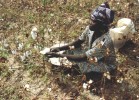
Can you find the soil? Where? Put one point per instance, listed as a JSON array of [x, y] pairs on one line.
[[36, 79]]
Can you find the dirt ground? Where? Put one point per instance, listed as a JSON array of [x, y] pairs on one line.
[[34, 78]]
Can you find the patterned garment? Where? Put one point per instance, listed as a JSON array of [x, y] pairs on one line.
[[101, 57], [87, 36]]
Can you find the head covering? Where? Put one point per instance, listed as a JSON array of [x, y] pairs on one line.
[[122, 33], [103, 14]]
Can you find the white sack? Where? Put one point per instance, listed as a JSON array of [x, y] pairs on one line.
[[122, 33]]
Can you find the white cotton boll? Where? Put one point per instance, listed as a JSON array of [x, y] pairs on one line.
[[60, 61], [52, 14], [34, 33], [23, 57], [34, 29], [27, 87], [46, 50], [49, 30], [55, 61], [108, 77], [14, 52], [49, 89], [27, 53], [90, 81], [85, 85], [66, 62], [20, 46]]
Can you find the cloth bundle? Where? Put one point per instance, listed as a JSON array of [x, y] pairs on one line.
[[122, 33]]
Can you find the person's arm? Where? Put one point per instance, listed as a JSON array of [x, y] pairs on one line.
[[77, 43], [76, 58]]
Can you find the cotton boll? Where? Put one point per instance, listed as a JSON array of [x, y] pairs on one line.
[[66, 62], [49, 30], [49, 89], [34, 33], [23, 57], [27, 87], [14, 52], [27, 53], [34, 29], [85, 85], [55, 61], [46, 50], [60, 61], [20, 46], [90, 81]]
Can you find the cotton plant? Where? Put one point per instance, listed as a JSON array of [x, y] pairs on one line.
[[34, 32], [25, 55]]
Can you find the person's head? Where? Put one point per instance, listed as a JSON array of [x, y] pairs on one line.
[[123, 32], [101, 17]]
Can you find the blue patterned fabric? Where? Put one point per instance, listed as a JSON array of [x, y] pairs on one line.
[[102, 50], [87, 37], [103, 14]]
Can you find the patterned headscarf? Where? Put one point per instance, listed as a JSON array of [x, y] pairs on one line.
[[103, 14]]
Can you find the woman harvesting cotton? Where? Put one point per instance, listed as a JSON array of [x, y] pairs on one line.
[[101, 56]]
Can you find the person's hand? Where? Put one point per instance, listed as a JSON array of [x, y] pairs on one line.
[[52, 54], [56, 49]]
